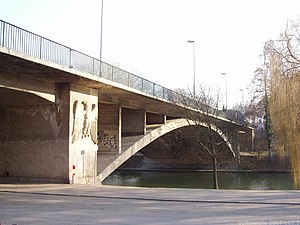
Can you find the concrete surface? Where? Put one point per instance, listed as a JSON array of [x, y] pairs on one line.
[[79, 204]]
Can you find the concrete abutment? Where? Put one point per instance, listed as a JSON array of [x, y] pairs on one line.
[[48, 140]]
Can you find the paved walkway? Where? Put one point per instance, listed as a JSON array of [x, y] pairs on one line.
[[82, 204]]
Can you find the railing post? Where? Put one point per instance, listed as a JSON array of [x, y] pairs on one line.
[[70, 59], [94, 66], [112, 73], [100, 68], [3, 32], [41, 45], [128, 83], [8, 34]]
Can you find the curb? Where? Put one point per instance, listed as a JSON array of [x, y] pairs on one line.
[[155, 199]]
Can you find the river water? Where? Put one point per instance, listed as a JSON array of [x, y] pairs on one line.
[[201, 180]]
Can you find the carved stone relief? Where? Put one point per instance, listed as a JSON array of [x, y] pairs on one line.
[[84, 121]]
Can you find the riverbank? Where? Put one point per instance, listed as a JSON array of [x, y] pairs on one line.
[[249, 161]]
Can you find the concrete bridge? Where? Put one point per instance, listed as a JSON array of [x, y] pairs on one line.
[[62, 119]]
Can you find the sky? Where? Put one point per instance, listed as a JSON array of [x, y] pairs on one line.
[[149, 37]]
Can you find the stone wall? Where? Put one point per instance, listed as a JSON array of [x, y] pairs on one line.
[[34, 159], [30, 143]]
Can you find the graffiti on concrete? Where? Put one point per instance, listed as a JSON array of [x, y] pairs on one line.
[[108, 141], [84, 121]]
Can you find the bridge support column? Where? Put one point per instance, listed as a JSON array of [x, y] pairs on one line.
[[246, 139], [133, 122], [83, 144], [109, 128]]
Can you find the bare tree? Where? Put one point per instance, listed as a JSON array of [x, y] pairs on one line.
[[201, 111]]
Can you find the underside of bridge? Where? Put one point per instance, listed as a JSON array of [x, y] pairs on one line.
[[28, 137]]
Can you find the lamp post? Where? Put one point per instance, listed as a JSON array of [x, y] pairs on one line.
[[224, 74], [101, 29], [194, 78]]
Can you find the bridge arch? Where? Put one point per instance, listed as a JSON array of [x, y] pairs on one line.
[[152, 136]]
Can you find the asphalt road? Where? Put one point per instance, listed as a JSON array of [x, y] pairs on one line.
[[68, 204]]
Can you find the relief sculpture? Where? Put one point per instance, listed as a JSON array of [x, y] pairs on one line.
[[84, 121]]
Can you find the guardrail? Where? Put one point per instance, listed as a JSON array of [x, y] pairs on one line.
[[37, 46]]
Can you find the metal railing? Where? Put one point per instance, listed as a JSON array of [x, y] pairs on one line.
[[24, 41]]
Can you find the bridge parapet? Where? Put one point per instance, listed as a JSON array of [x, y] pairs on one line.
[[18, 39], [23, 41]]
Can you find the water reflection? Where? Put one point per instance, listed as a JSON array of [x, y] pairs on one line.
[[201, 180], [118, 179]]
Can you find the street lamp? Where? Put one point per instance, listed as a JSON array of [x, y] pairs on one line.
[[101, 29], [194, 78], [224, 74]]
